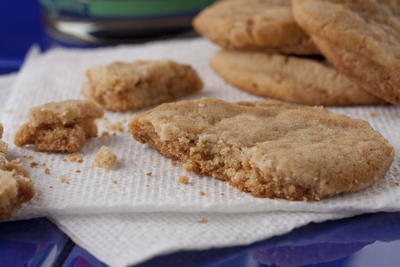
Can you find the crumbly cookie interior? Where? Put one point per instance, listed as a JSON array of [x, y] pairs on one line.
[[268, 148]]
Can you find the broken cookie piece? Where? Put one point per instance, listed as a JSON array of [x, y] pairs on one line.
[[105, 157], [15, 183], [60, 126], [268, 148], [126, 87]]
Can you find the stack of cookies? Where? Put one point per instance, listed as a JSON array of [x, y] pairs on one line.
[[311, 52]]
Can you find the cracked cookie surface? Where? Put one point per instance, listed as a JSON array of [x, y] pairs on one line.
[[360, 38], [131, 86], [60, 126], [268, 148], [15, 183], [300, 80], [255, 25]]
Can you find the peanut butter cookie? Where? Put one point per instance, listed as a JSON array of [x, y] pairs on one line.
[[60, 126], [360, 38], [302, 80], [269, 148], [256, 25], [15, 183], [127, 87]]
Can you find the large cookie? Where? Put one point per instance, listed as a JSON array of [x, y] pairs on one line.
[[268, 148], [261, 25], [296, 79], [361, 38]]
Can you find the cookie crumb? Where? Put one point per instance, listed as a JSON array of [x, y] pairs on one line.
[[374, 114], [34, 164], [67, 182], [8, 111], [377, 193], [149, 174], [147, 185], [42, 165], [47, 171], [115, 181], [64, 160], [222, 194], [105, 134], [63, 178], [184, 180], [173, 163], [396, 184], [74, 157], [115, 127], [203, 221], [51, 186], [105, 157], [114, 134], [52, 159], [78, 171], [202, 193]]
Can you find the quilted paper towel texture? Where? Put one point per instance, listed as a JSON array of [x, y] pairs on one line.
[[59, 75], [123, 245], [128, 239]]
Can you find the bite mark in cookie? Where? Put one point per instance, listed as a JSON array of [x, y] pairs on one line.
[[268, 148]]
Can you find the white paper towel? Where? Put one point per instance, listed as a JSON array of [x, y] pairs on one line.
[[59, 75], [130, 238], [127, 239]]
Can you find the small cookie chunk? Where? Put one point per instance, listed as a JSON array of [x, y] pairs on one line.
[[15, 183], [126, 87], [269, 148], [105, 157], [360, 38], [301, 80], [62, 126], [255, 25]]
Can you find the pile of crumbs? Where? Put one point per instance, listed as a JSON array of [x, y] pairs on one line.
[[184, 180]]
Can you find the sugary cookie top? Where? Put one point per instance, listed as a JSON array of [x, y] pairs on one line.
[[247, 23], [65, 112], [120, 76], [369, 28], [306, 145]]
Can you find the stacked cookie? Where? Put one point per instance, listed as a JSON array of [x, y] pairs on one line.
[[270, 52]]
